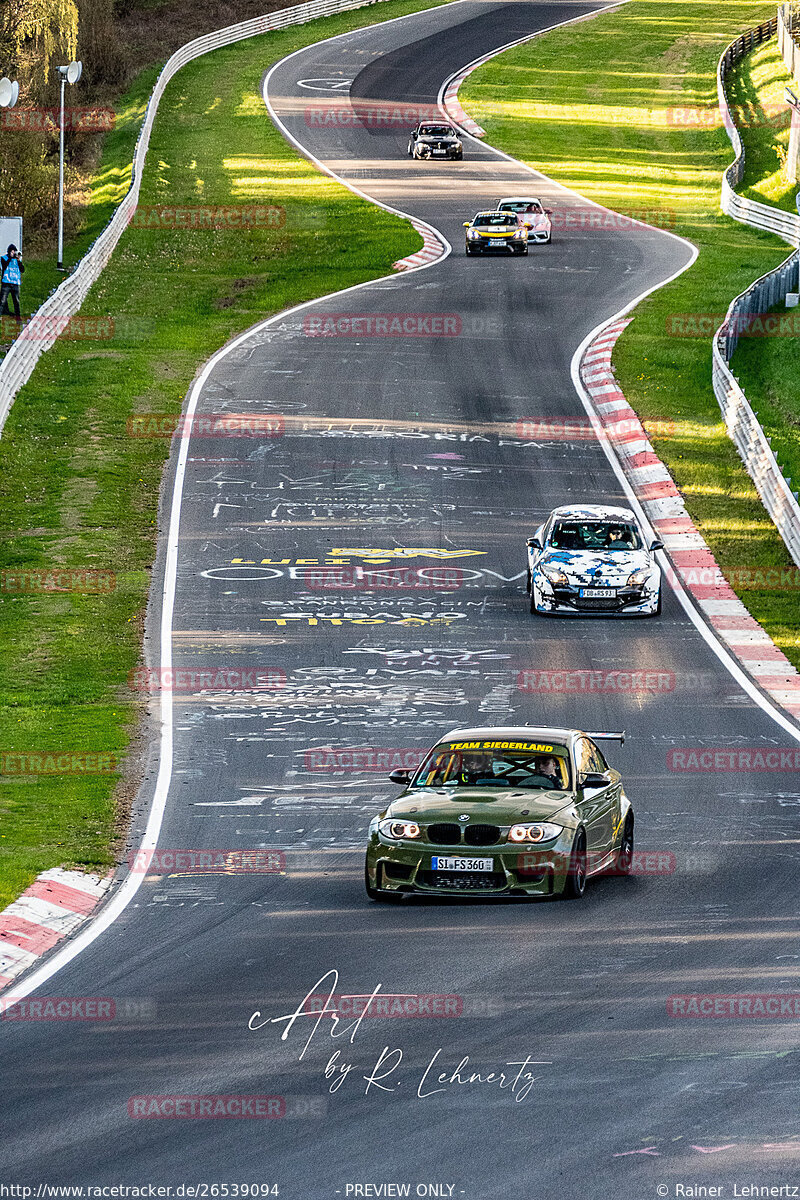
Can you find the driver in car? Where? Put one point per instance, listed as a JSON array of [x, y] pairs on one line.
[[618, 538], [476, 766], [548, 766]]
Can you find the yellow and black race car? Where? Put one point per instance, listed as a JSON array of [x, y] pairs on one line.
[[488, 232]]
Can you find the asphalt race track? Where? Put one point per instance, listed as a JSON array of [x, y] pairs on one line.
[[412, 442]]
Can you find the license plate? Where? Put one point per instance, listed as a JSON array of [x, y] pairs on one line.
[[598, 593], [461, 864], [440, 152], [497, 241]]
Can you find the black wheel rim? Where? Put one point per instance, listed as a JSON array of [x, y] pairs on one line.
[[580, 866]]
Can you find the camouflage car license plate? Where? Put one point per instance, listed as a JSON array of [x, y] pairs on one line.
[[439, 863], [597, 593]]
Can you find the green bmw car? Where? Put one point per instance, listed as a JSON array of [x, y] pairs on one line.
[[517, 811]]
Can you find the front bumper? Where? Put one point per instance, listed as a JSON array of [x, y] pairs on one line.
[[482, 245], [516, 872], [551, 598], [538, 235], [438, 152]]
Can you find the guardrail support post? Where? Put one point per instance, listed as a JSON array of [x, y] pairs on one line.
[[794, 147]]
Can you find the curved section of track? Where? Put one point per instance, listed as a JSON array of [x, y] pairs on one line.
[[401, 448]]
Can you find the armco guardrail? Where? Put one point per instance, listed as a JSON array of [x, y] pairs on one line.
[[749, 212], [50, 319], [740, 420]]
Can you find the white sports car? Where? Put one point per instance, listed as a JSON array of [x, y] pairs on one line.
[[532, 212], [592, 558]]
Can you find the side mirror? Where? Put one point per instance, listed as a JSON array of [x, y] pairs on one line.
[[413, 134], [595, 779], [400, 776], [467, 224], [656, 545], [548, 211], [535, 543]]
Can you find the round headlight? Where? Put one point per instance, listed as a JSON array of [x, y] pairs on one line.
[[541, 832], [399, 829]]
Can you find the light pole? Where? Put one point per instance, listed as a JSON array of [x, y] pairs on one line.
[[69, 74]]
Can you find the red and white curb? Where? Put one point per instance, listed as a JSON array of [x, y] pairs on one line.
[[452, 104], [55, 905], [431, 250], [694, 564]]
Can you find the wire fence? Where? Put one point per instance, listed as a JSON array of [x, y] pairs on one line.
[[741, 422], [45, 326]]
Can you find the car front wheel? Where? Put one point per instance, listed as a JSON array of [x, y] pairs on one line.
[[624, 861], [575, 886]]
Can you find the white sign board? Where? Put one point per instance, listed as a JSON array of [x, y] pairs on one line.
[[10, 231]]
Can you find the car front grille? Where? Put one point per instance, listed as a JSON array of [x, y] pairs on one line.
[[462, 881], [481, 835], [598, 602], [444, 835]]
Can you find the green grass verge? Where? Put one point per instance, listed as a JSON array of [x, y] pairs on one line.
[[76, 490], [602, 108]]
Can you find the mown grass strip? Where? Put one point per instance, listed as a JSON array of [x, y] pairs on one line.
[[77, 491], [623, 109]]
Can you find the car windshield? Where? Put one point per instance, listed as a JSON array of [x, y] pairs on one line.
[[595, 535], [436, 131], [521, 206], [524, 765], [494, 218]]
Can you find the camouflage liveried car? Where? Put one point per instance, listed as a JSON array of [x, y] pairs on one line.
[[593, 559]]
